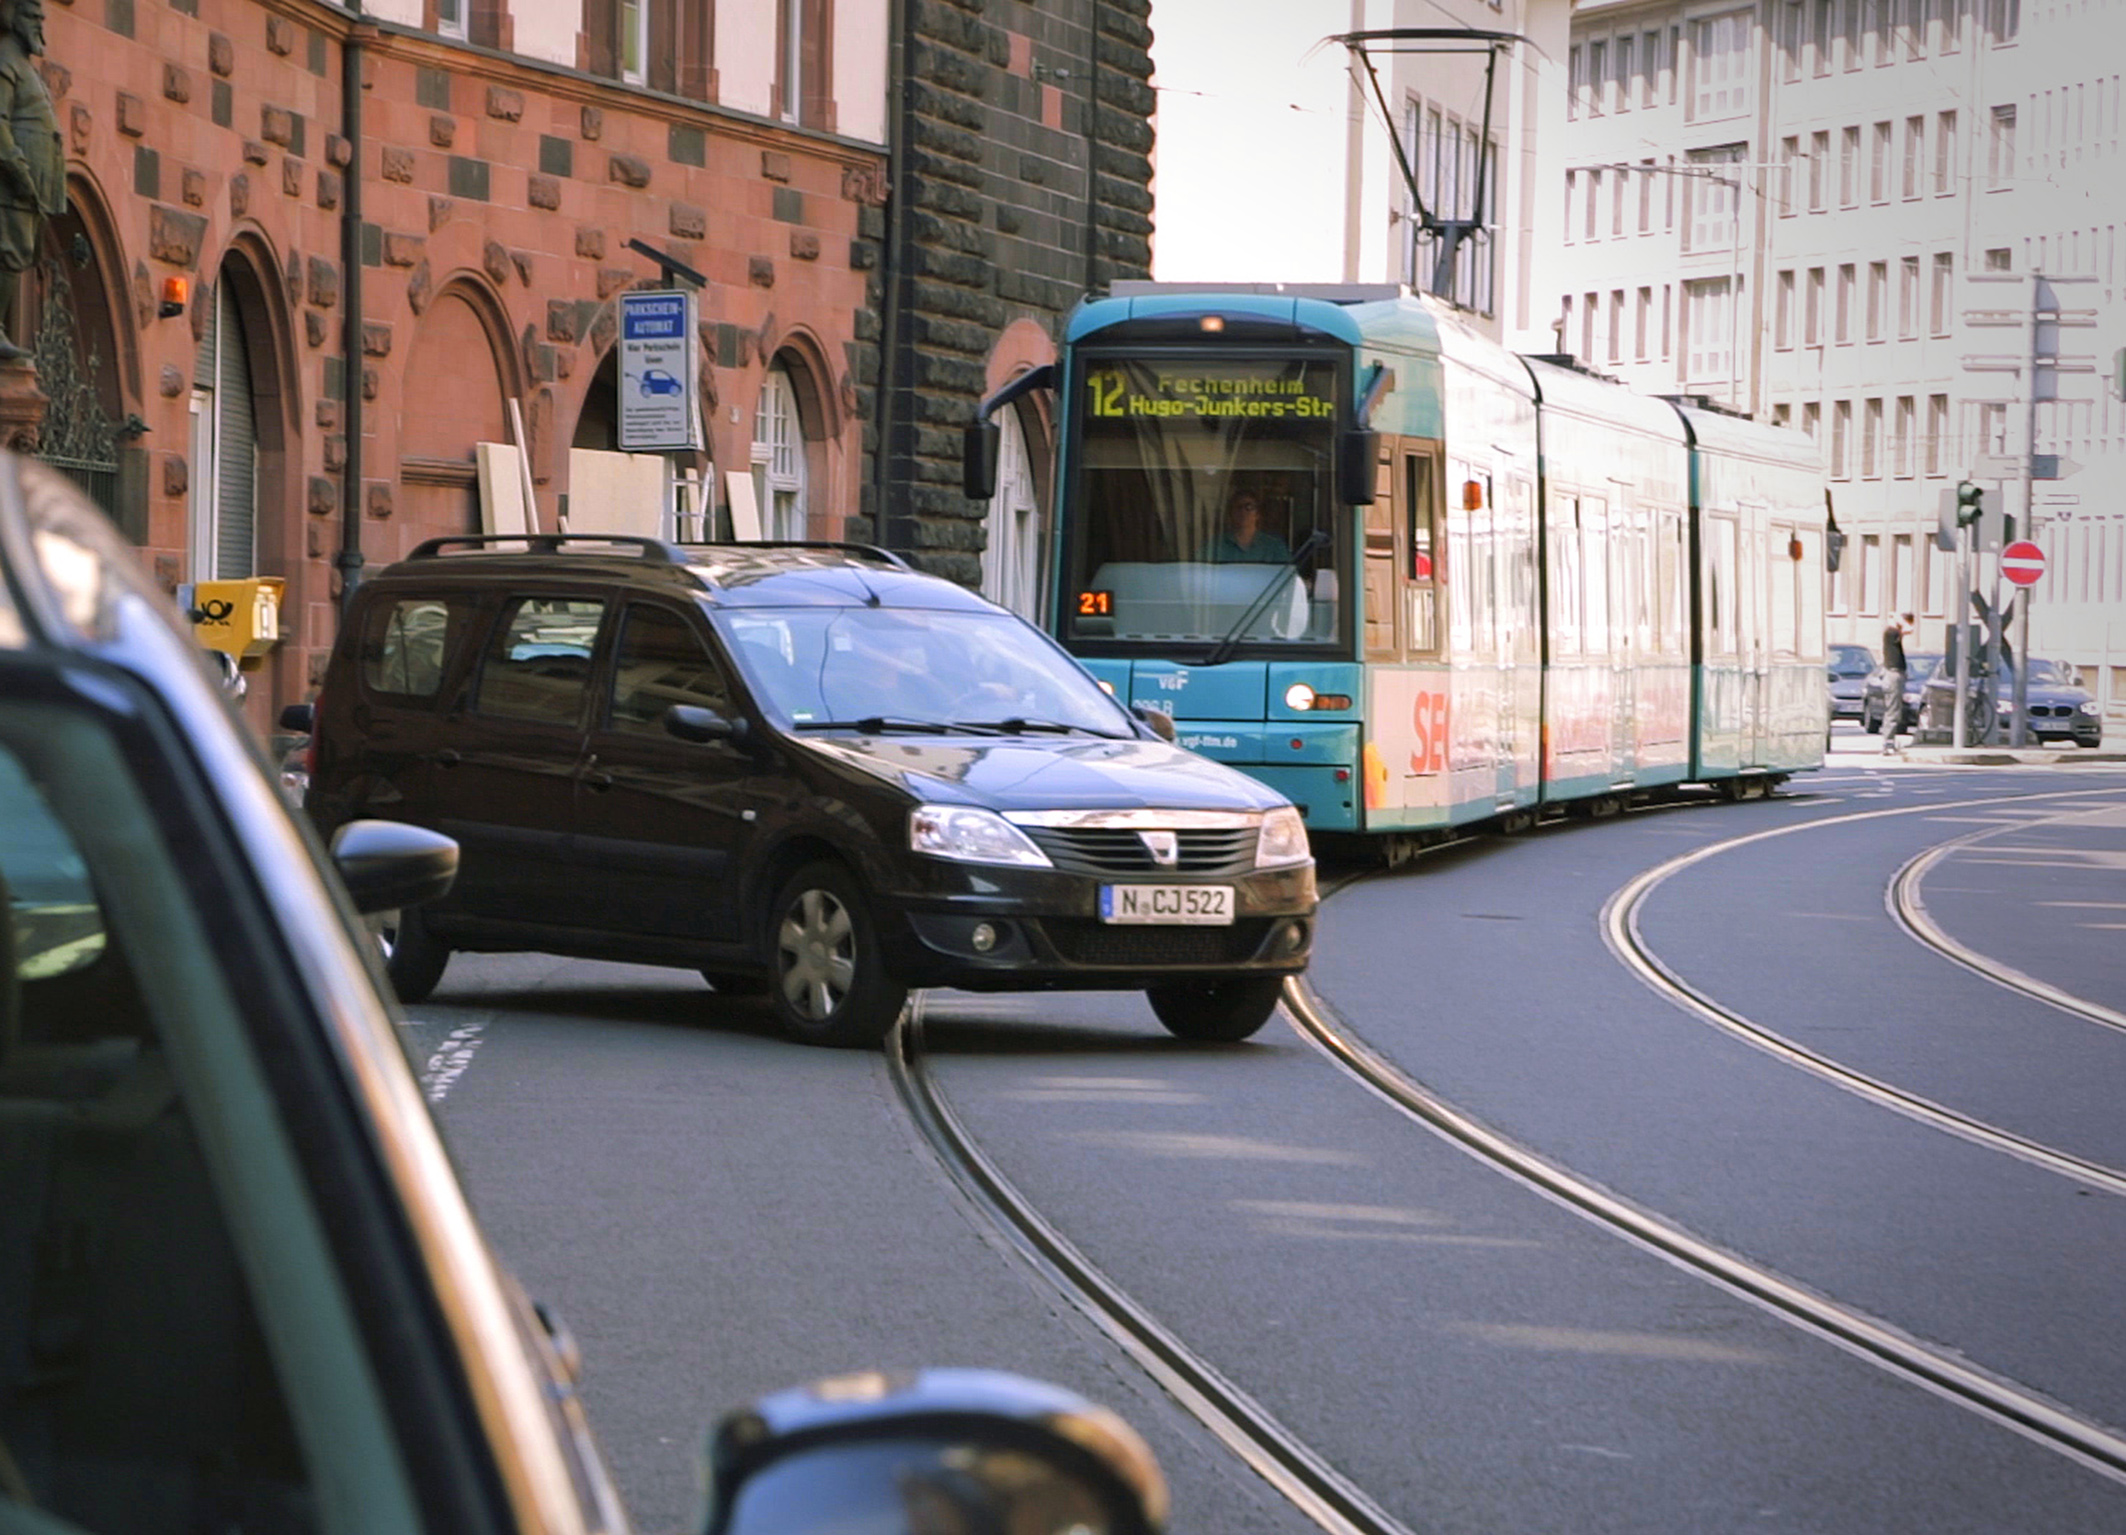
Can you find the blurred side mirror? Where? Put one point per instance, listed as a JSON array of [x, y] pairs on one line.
[[691, 722], [230, 674], [980, 445], [944, 1450], [1162, 723], [388, 864], [299, 719]]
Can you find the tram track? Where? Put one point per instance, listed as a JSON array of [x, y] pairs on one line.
[[1307, 1480]]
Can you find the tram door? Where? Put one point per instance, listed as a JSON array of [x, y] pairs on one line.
[[1754, 613]]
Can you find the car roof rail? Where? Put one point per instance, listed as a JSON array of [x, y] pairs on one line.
[[656, 550], [867, 551]]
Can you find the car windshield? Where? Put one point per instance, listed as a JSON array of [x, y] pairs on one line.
[[1851, 661], [914, 668], [2054, 674], [1919, 665]]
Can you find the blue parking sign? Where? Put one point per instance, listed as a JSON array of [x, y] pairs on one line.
[[660, 365]]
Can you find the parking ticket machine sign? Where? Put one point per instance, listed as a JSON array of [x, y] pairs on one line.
[[660, 368]]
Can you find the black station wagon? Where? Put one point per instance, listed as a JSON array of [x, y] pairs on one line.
[[800, 768]]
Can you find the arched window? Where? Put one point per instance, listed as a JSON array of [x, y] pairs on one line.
[[1011, 558], [779, 458], [224, 512]]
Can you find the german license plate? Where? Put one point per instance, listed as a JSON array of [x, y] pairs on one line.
[[1187, 905]]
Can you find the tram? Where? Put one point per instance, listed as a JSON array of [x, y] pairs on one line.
[[1416, 581]]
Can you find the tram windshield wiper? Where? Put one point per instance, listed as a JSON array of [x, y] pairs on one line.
[[1222, 652]]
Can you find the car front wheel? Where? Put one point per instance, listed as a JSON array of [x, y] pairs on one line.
[[1220, 1012], [414, 957], [830, 984]]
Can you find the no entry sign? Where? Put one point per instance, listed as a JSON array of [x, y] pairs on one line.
[[2023, 562]]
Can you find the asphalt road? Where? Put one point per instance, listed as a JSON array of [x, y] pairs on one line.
[[717, 1213]]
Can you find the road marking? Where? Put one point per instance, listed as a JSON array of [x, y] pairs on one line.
[[451, 1058]]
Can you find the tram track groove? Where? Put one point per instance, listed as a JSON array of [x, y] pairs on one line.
[[1908, 908], [2094, 1445], [1254, 1435], [1620, 930]]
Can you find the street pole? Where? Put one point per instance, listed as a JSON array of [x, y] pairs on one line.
[[2043, 384], [1960, 731]]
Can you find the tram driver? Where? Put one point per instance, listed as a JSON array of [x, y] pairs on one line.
[[1245, 541]]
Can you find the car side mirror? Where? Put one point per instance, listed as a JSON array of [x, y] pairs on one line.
[[299, 719], [387, 864], [980, 444], [1161, 723], [691, 722], [942, 1450]]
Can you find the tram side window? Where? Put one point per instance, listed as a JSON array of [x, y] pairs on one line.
[[1673, 556], [1594, 532], [1720, 592], [1380, 573], [1421, 496], [1809, 588], [1786, 617], [1565, 576]]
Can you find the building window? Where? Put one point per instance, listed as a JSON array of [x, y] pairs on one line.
[[2000, 150], [1820, 33], [1878, 297], [1870, 573], [1713, 196], [1952, 24], [804, 70], [1594, 203], [1812, 310], [1915, 153], [1650, 82], [1945, 154], [1597, 78], [1708, 332], [1999, 259], [1851, 28], [1819, 170], [634, 40], [1624, 72], [1842, 320], [1792, 30], [1646, 196], [2004, 19], [1590, 311], [1841, 433], [1901, 437], [1720, 79], [1812, 419], [1572, 194], [1879, 164], [1849, 168], [1937, 432], [1789, 162], [1783, 313], [779, 458], [1908, 297], [1782, 415], [450, 18], [1943, 293], [1576, 95], [1642, 325], [1871, 438], [1616, 324], [1912, 24]]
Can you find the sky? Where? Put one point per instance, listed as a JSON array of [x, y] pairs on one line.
[[1248, 180]]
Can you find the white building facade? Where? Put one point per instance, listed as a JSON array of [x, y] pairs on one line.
[[1801, 208]]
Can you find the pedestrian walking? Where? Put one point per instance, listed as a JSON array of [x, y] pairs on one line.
[[1893, 681]]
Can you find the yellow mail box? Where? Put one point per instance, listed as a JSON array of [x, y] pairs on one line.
[[239, 618]]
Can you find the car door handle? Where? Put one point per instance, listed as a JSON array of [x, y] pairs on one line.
[[447, 757]]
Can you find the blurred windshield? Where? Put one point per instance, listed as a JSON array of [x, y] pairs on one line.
[[820, 666], [2055, 674], [1919, 665], [1851, 661]]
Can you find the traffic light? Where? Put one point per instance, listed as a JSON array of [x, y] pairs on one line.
[[1970, 503]]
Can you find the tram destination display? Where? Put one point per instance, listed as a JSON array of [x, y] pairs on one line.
[[1190, 389]]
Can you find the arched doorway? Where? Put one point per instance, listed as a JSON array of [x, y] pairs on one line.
[[85, 430], [222, 524], [455, 396], [1015, 529], [781, 476]]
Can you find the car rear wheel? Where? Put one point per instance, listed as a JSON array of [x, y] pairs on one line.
[[414, 957], [1216, 1011], [830, 985]]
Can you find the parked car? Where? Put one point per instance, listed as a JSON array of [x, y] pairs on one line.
[[240, 1288], [1848, 667], [1919, 666], [2058, 707], [803, 768]]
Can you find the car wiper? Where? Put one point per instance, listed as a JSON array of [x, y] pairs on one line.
[[1222, 652], [1020, 725], [878, 725]]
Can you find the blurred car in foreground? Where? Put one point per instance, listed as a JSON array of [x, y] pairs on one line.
[[1919, 666], [1848, 667], [2057, 707], [240, 1288]]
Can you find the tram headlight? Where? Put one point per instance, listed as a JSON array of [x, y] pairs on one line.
[[1299, 696], [1283, 839], [968, 835]]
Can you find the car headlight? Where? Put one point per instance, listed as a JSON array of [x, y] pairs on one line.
[[1282, 840], [2089, 706], [971, 836]]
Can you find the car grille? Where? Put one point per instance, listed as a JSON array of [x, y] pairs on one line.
[[1098, 943], [1119, 850], [2052, 711]]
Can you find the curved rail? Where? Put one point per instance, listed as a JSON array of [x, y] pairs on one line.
[[1243, 1425], [1908, 908], [2090, 1443], [1620, 930]]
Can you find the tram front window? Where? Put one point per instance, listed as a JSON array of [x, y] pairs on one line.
[[1206, 503]]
